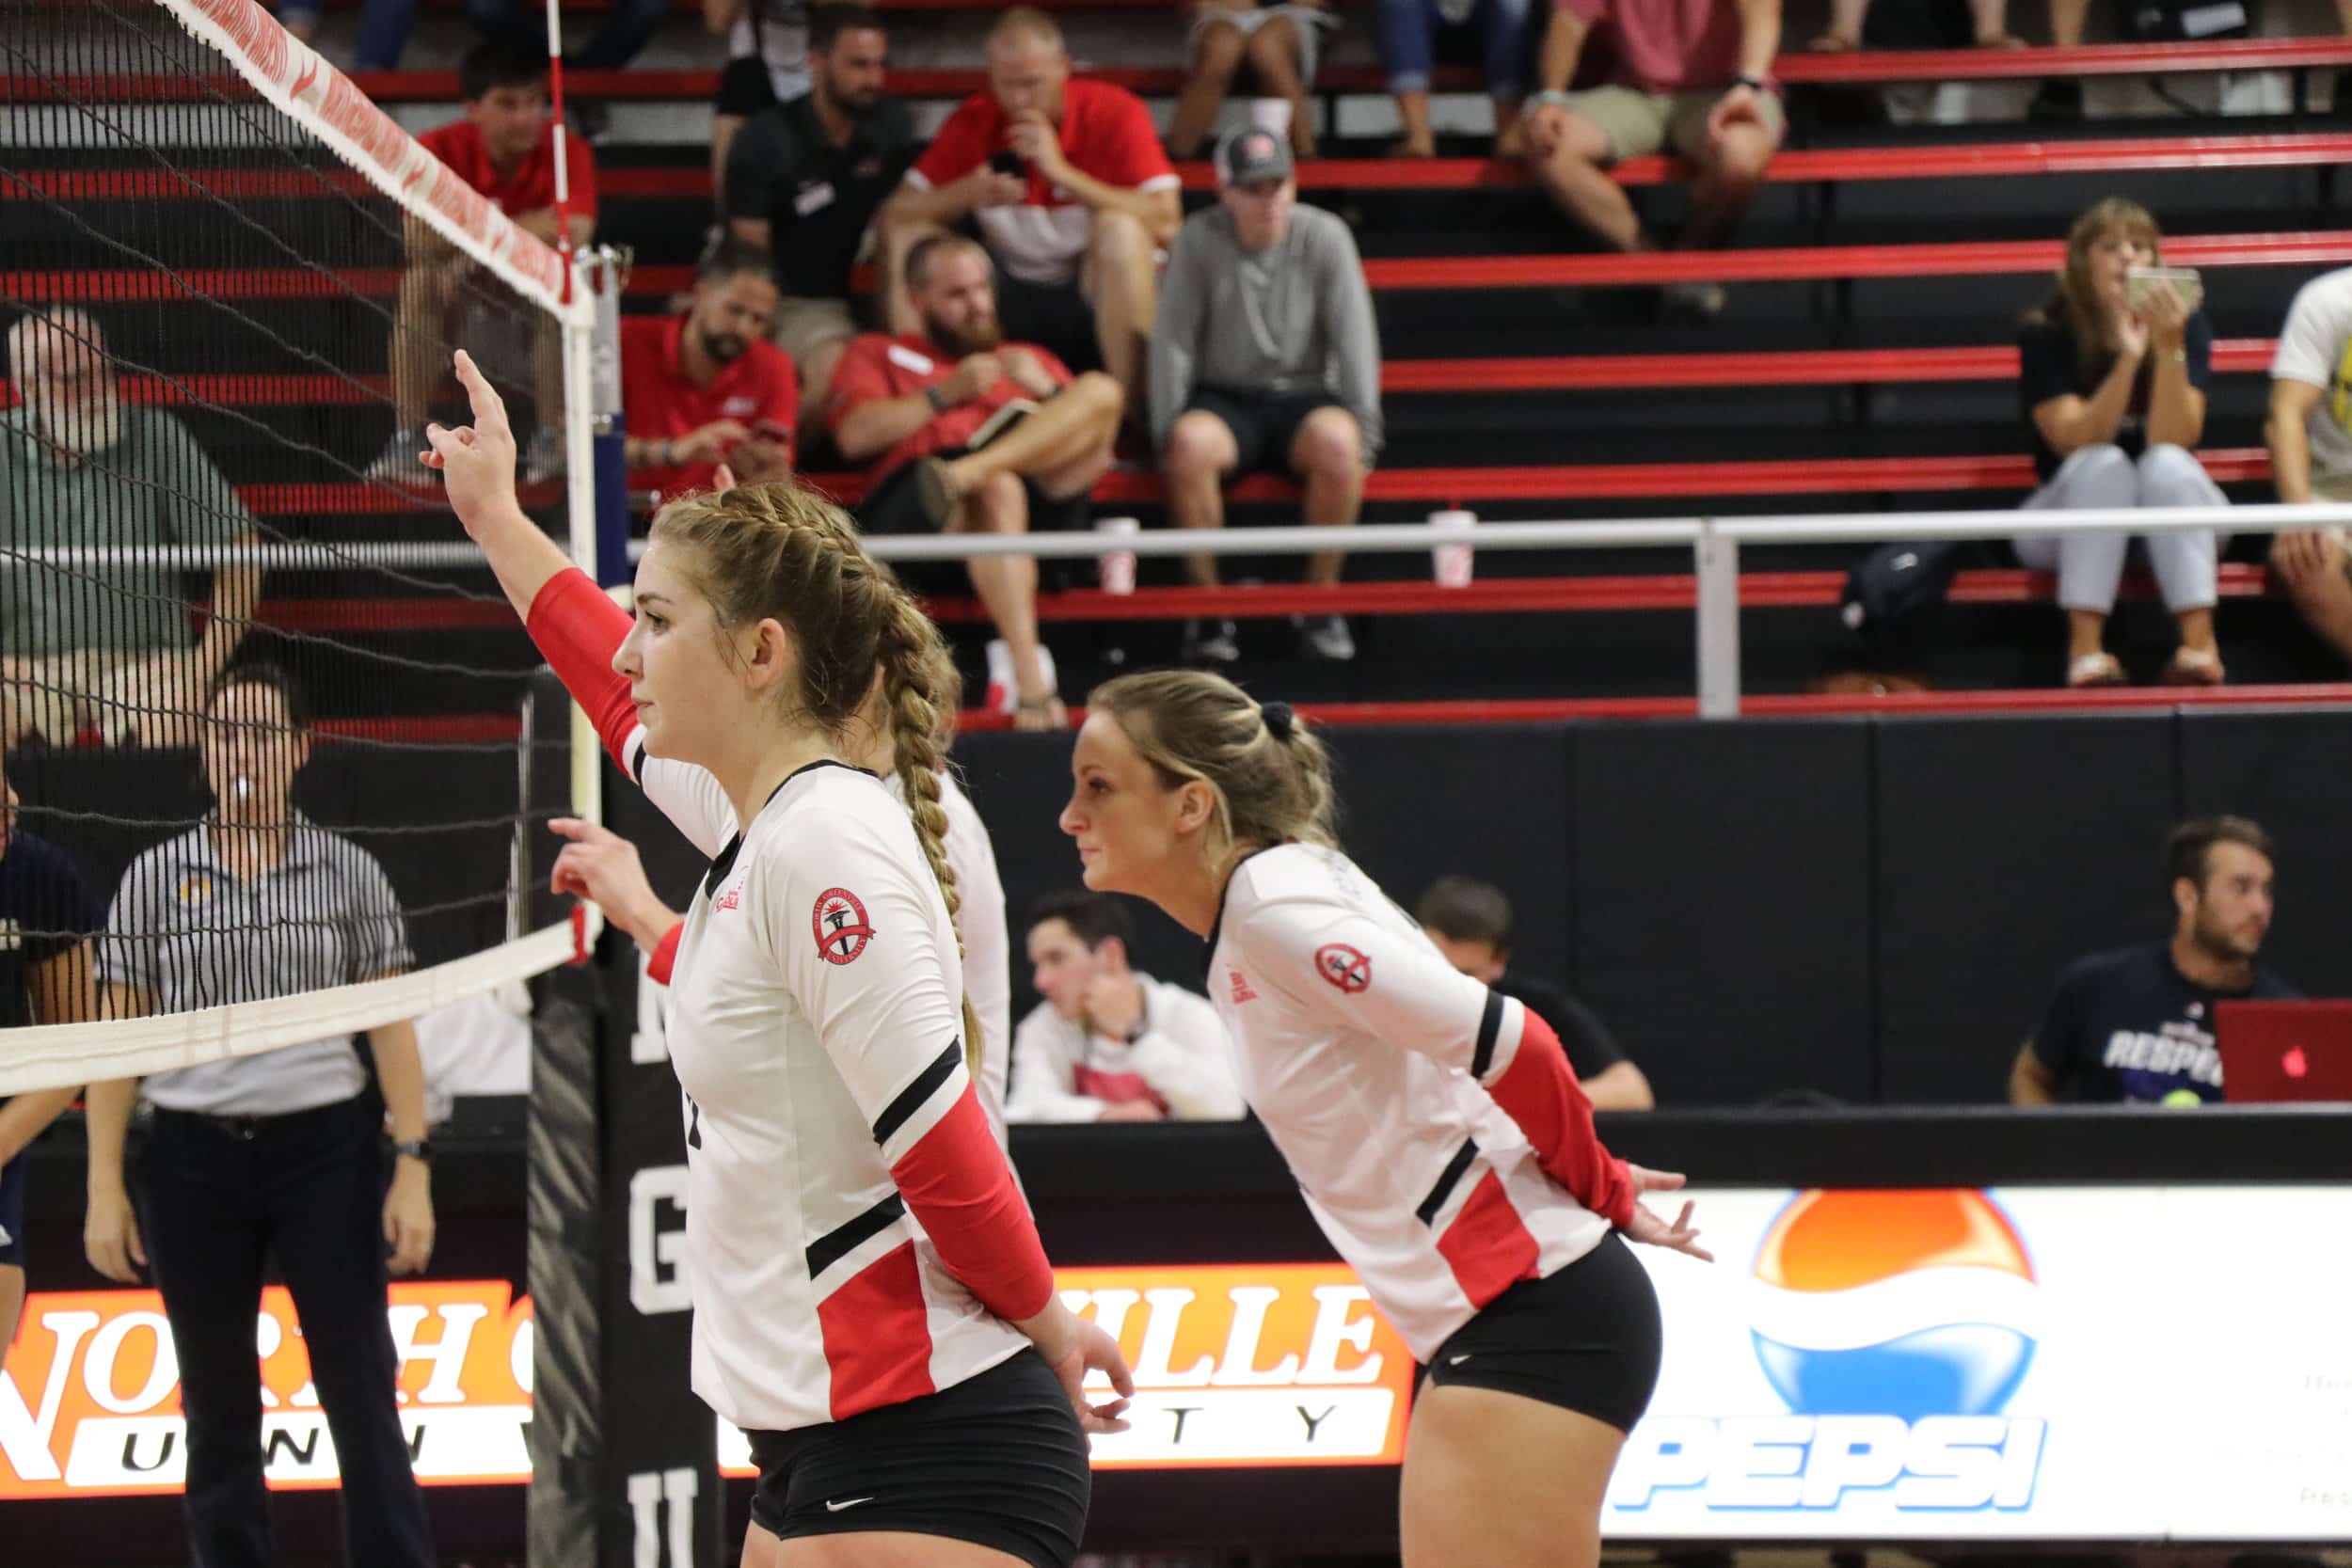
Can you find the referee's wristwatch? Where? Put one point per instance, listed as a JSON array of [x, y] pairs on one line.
[[420, 1149]]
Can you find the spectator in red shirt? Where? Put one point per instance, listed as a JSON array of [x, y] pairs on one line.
[[505, 148], [970, 434], [1071, 192], [1691, 74], [707, 387]]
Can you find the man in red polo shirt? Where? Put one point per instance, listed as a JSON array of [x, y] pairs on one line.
[[707, 387], [505, 148], [970, 434], [1073, 194]]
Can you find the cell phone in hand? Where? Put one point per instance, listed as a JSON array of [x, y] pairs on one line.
[[1009, 163], [2186, 282]]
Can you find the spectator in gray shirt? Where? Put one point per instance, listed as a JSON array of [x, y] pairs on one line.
[[1265, 359]]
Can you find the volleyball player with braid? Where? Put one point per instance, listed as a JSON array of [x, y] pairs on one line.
[[872, 1305]]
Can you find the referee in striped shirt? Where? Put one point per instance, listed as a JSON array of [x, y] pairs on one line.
[[275, 1158]]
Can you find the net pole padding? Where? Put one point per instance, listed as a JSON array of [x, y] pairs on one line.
[[65, 1055], [303, 86], [604, 275]]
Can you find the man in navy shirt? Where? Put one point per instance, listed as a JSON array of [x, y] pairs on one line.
[[47, 915], [2135, 1025]]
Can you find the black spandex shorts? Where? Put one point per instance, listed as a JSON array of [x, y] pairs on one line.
[[1264, 423], [12, 1211], [895, 505], [744, 88], [1587, 1339], [998, 1460]]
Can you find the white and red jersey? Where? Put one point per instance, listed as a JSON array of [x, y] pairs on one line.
[[1434, 1125], [1106, 133], [979, 896], [854, 1237]]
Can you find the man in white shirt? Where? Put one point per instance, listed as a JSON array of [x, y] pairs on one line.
[[1108, 1043], [2310, 433]]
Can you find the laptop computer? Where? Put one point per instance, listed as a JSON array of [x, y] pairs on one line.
[[2284, 1051]]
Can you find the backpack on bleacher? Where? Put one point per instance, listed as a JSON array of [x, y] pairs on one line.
[[1894, 583]]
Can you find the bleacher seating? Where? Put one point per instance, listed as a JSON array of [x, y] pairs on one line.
[[1864, 364]]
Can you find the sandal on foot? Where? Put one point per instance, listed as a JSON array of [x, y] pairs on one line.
[[2094, 670], [1039, 713], [2194, 667]]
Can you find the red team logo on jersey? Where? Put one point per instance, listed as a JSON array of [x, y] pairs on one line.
[[1343, 967], [839, 922]]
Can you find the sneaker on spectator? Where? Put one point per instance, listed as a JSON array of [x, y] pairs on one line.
[[400, 464], [1326, 637], [1211, 642], [543, 459], [1694, 301]]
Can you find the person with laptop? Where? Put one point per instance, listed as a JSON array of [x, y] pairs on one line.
[[2135, 1025]]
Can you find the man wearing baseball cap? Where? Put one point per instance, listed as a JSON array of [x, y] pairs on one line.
[[1267, 359]]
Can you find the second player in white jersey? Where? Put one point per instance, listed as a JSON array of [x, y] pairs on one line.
[[1433, 1126]]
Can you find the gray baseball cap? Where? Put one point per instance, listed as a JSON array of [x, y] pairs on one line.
[[1252, 156]]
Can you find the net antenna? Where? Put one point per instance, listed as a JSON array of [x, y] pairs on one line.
[[387, 184]]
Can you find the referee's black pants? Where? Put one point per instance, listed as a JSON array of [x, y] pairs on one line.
[[216, 1199]]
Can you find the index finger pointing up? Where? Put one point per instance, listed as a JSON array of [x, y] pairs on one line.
[[487, 405]]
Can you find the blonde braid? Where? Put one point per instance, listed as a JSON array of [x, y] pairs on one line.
[[912, 657]]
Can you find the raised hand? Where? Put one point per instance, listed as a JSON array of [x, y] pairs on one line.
[[476, 461]]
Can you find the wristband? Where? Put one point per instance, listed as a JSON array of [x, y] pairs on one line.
[[1762, 84], [669, 452], [933, 395], [1550, 97], [419, 1149]]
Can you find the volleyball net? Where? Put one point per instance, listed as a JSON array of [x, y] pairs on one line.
[[255, 685]]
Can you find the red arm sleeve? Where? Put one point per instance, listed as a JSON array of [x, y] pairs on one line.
[[956, 1181], [665, 955], [1541, 1094], [580, 629]]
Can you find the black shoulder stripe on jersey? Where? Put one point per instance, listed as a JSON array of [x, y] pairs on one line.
[[721, 866], [1448, 1179], [911, 1098], [637, 762], [837, 1244], [1490, 1030]]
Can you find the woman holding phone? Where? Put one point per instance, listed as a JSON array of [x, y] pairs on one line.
[[2112, 372]]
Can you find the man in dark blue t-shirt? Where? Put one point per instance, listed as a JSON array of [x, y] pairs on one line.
[[47, 916], [2135, 1025]]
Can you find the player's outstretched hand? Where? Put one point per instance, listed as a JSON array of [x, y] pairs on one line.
[[1680, 1236], [476, 461], [1073, 1347]]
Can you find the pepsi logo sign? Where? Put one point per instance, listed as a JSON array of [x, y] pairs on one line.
[[1894, 1328]]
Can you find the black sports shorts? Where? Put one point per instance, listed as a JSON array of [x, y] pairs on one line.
[[998, 1460], [1264, 424], [1587, 1339], [895, 505]]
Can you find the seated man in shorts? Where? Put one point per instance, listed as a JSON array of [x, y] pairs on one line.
[[505, 148], [940, 413], [2310, 450], [1266, 361], [1069, 188], [805, 177], [1693, 76]]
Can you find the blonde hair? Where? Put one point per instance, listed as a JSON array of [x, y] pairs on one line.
[[1269, 787], [1024, 23], [778, 551], [2074, 304]]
